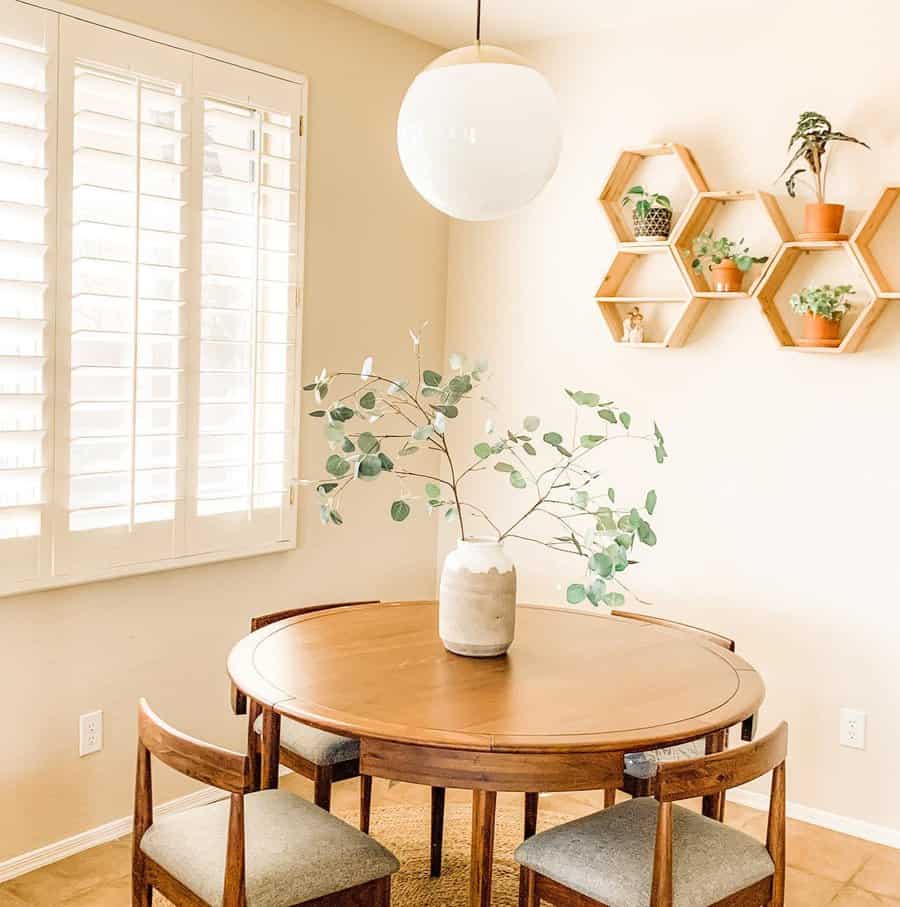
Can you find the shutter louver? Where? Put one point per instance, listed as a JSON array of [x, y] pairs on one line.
[[27, 145]]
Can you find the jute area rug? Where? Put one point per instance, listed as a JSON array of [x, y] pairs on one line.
[[405, 831]]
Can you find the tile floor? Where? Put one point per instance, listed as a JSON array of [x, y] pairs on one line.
[[824, 868]]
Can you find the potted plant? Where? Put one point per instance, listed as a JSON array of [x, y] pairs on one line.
[[383, 428], [728, 261], [652, 216], [809, 144], [822, 309]]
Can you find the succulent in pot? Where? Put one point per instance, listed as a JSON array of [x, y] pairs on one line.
[[652, 216], [728, 261], [810, 145], [822, 308]]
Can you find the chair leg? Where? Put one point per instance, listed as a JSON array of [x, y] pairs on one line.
[[531, 816], [365, 802], [254, 744], [528, 888], [609, 797], [141, 892], [383, 893], [438, 798], [714, 804], [322, 787]]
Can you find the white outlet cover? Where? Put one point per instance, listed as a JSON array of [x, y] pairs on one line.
[[853, 729], [90, 733]]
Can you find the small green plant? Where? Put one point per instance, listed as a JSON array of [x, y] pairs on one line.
[[825, 301], [645, 202], [707, 248], [809, 143]]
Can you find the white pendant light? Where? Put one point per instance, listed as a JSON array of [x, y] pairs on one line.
[[478, 132]]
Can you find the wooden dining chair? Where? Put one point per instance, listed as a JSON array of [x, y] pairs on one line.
[[322, 757], [651, 852], [249, 849]]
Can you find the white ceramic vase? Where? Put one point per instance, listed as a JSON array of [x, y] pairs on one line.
[[477, 605]]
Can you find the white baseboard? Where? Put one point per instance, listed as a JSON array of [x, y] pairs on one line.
[[102, 834], [880, 834]]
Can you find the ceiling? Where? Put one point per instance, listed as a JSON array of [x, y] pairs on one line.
[[450, 23]]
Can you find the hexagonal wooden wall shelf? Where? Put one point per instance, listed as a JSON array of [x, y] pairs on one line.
[[698, 216], [619, 181], [610, 302], [776, 275], [865, 235]]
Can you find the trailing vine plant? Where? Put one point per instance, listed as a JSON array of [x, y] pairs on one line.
[[376, 428]]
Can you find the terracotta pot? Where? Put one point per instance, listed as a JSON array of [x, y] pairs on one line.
[[477, 607], [819, 331], [727, 277], [823, 220]]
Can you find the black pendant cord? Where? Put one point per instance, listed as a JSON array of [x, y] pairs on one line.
[[478, 24]]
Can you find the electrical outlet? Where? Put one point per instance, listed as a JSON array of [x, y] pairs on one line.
[[90, 733], [853, 729]]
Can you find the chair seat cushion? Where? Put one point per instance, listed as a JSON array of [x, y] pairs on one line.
[[608, 856], [314, 745], [294, 850], [643, 765]]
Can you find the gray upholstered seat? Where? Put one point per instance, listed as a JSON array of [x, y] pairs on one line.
[[316, 746], [608, 856], [294, 850], [643, 765]]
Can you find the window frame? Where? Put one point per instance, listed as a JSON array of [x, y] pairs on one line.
[[241, 550]]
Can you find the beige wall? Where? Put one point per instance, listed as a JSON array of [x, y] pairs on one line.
[[376, 265], [778, 508]]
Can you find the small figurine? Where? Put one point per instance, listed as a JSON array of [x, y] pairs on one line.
[[633, 327]]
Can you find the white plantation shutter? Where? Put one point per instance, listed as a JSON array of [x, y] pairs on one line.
[[124, 160], [248, 202], [150, 221], [28, 39]]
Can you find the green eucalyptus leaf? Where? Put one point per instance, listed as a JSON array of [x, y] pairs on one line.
[[348, 446], [517, 480], [387, 464], [318, 413], [407, 450], [553, 438], [335, 517], [504, 467], [611, 494], [326, 487], [399, 511], [482, 450], [367, 400], [369, 467], [368, 443], [607, 415], [591, 440], [528, 447], [531, 423], [342, 414], [650, 502], [460, 385], [431, 379], [335, 433], [613, 599], [310, 387], [576, 593], [625, 419], [451, 412], [423, 433], [336, 465], [563, 451], [432, 490], [601, 563]]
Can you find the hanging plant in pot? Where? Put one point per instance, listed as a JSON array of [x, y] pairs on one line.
[[810, 144], [823, 309], [387, 428], [652, 216], [728, 261]]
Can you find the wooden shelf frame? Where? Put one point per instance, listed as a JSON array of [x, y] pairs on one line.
[[864, 235], [619, 181], [776, 274], [608, 298], [701, 211]]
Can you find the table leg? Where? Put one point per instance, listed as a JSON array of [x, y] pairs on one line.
[[531, 817], [270, 744], [484, 809], [714, 804], [438, 799]]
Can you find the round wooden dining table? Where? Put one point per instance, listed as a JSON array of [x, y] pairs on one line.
[[576, 692]]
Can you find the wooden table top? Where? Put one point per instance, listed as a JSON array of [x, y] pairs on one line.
[[572, 681]]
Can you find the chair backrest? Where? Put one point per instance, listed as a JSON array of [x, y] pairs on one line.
[[708, 635], [715, 774], [213, 765]]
